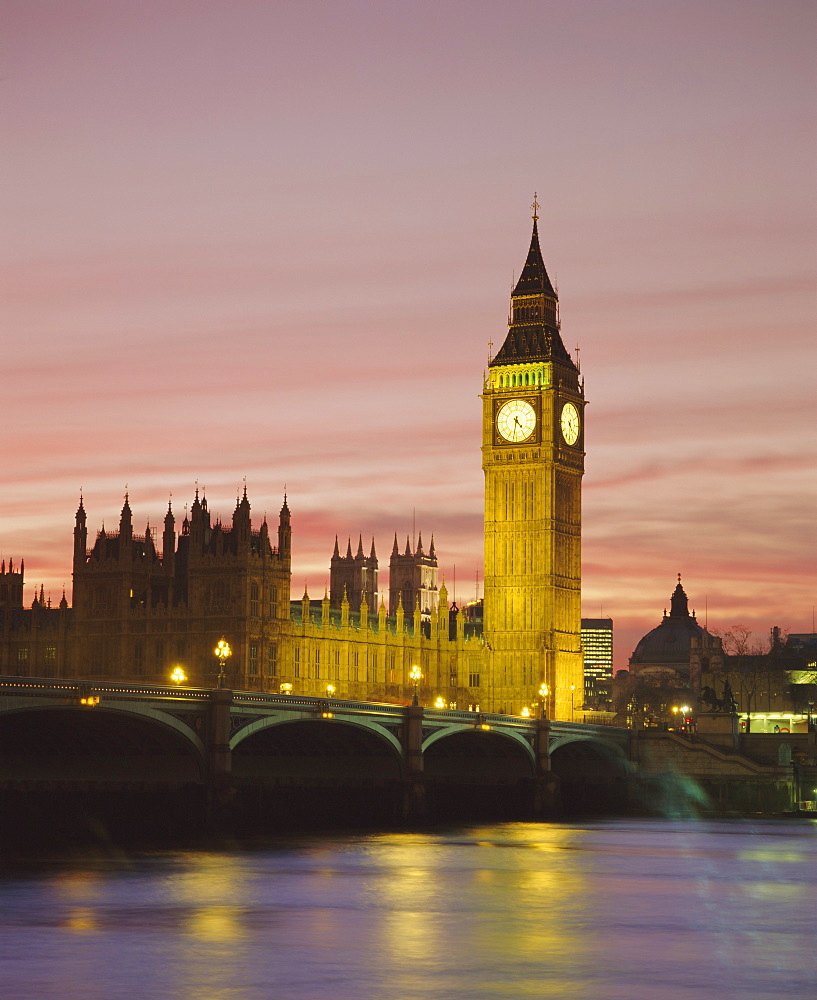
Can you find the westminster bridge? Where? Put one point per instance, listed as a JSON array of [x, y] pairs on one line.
[[186, 757]]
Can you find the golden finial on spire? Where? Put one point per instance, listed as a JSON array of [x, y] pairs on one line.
[[535, 207]]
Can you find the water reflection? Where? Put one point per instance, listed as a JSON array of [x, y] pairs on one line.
[[619, 910]]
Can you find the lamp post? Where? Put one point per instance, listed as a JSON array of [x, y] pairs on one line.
[[415, 674], [330, 690], [222, 652], [572, 702], [544, 691], [178, 676]]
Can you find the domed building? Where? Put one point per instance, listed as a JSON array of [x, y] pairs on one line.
[[678, 645]]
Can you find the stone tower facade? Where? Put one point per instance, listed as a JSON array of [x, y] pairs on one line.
[[355, 576], [147, 602], [138, 611], [533, 460], [413, 578]]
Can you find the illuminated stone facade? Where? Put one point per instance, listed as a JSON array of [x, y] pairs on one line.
[[533, 458], [144, 606]]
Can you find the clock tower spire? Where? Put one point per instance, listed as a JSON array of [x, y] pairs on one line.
[[533, 459]]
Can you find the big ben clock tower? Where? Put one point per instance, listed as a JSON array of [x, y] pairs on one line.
[[533, 459]]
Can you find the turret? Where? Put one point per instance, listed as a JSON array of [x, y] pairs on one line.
[[242, 523], [169, 542], [125, 531], [284, 535], [80, 536], [197, 517]]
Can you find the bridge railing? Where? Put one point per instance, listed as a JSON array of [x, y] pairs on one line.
[[56, 687]]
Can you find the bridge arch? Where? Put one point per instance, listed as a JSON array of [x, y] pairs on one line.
[[316, 772], [281, 719], [103, 743], [593, 774], [448, 731], [478, 774]]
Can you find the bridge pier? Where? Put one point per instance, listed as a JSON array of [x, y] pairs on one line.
[[414, 785], [220, 791], [546, 800]]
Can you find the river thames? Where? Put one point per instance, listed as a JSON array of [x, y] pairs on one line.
[[618, 910]]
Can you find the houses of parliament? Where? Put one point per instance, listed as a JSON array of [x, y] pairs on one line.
[[144, 605]]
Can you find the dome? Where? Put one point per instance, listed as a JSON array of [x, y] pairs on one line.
[[668, 645]]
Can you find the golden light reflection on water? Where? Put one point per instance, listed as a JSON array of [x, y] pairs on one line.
[[772, 892], [503, 884], [215, 923], [80, 919], [528, 911], [772, 856], [213, 878]]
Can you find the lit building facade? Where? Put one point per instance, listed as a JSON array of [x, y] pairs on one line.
[[597, 652], [533, 460], [145, 604]]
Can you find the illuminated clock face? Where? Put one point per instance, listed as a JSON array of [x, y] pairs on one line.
[[516, 420], [570, 423]]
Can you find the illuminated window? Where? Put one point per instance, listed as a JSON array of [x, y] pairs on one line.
[[50, 652], [22, 654]]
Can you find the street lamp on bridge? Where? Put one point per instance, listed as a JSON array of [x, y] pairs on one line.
[[415, 674], [222, 652], [544, 691]]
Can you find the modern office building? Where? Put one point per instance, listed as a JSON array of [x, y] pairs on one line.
[[597, 652]]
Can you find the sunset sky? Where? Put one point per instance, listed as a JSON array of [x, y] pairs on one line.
[[273, 240]]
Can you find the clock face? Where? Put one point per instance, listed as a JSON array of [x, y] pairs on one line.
[[516, 420], [570, 423]]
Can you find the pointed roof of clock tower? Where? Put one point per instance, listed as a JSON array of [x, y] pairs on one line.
[[534, 278], [533, 331]]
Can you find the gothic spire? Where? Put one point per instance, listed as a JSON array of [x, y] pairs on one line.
[[534, 278], [533, 332]]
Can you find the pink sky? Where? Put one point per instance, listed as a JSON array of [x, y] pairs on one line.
[[274, 240]]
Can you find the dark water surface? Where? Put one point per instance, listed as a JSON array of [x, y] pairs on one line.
[[623, 909]]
